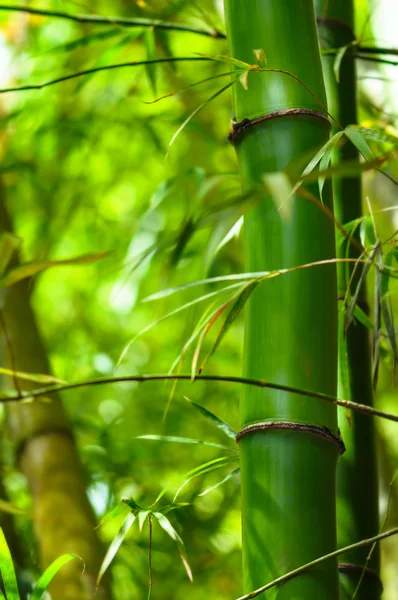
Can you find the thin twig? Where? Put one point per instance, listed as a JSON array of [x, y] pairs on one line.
[[125, 21], [377, 50], [150, 556], [377, 60], [261, 383], [10, 351], [299, 570], [153, 61]]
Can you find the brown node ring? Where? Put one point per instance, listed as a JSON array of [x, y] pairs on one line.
[[354, 568], [323, 432], [245, 124]]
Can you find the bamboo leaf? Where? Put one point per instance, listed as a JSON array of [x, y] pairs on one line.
[[216, 485], [232, 316], [87, 40], [9, 508], [182, 440], [350, 310], [172, 313], [111, 514], [338, 59], [142, 515], [33, 268], [209, 467], [9, 243], [167, 527], [261, 58], [150, 47], [115, 545], [195, 112], [7, 570], [326, 161], [315, 160], [50, 573], [363, 318], [229, 60], [203, 334], [214, 420], [280, 188], [36, 377], [355, 136]]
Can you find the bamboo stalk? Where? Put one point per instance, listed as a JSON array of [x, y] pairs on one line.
[[288, 475], [47, 454], [357, 493]]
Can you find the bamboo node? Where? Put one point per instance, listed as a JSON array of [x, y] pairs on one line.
[[323, 432], [359, 569], [242, 126]]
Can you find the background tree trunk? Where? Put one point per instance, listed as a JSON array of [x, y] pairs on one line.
[[47, 454], [357, 482]]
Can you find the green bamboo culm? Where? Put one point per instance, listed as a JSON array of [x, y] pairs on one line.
[[289, 445], [357, 494]]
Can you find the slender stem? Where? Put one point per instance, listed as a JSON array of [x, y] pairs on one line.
[[150, 557], [376, 50], [377, 60], [299, 570], [124, 21], [153, 61], [362, 408]]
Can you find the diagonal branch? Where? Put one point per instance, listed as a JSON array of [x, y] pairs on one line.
[[124, 21], [299, 570], [153, 61], [361, 408]]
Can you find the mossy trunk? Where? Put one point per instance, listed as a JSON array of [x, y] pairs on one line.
[[47, 454]]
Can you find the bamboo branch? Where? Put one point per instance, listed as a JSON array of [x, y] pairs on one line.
[[377, 50], [124, 21], [45, 391], [299, 570], [153, 61]]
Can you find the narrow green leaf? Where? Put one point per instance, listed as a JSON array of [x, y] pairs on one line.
[[171, 314], [326, 161], [182, 440], [167, 526], [9, 508], [169, 529], [36, 377], [338, 59], [142, 515], [7, 570], [315, 160], [87, 40], [111, 514], [350, 310], [232, 316], [209, 467], [214, 420], [377, 135], [33, 268], [50, 573], [196, 111], [9, 243], [150, 47], [261, 58], [279, 186], [115, 545], [216, 485], [229, 60], [203, 334], [363, 318], [355, 136]]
